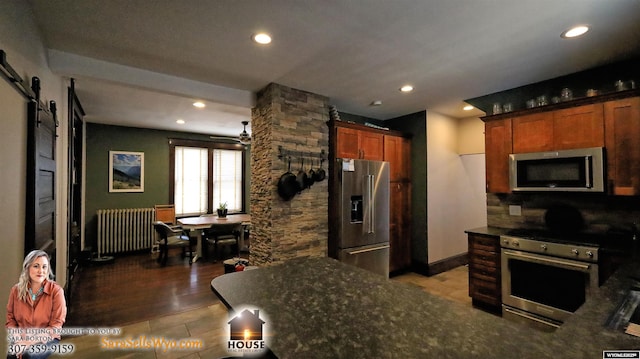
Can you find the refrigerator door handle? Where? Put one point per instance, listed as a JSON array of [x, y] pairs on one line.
[[359, 251], [372, 203]]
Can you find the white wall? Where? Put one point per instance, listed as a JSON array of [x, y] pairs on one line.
[[455, 190], [19, 38], [470, 136]]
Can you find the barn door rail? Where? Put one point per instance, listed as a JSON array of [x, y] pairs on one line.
[[10, 74]]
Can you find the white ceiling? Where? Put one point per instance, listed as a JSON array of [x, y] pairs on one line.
[[142, 63]]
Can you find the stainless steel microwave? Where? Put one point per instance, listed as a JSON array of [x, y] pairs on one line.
[[577, 170]]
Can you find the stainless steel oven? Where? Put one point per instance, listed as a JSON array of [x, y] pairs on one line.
[[545, 282]]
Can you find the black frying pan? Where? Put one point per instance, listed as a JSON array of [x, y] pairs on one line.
[[302, 177], [311, 174], [319, 174], [287, 184]]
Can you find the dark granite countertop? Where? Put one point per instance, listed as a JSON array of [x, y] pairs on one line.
[[321, 308], [491, 231], [618, 243]]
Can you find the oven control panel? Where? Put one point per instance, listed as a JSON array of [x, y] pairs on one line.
[[564, 250]]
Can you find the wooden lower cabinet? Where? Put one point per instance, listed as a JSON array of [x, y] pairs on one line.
[[484, 271], [399, 226]]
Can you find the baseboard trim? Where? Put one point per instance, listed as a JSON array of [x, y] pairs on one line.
[[440, 266], [446, 264], [420, 268]]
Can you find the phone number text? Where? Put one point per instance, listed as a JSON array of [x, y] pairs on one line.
[[41, 348]]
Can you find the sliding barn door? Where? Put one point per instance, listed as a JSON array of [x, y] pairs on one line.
[[74, 202], [40, 228]]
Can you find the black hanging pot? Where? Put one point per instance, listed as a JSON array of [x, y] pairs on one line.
[[302, 177], [319, 175], [310, 176], [288, 185]]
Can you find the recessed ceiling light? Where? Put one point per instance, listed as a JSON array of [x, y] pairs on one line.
[[198, 104], [406, 88], [376, 103], [575, 31], [180, 121], [262, 38], [468, 108]]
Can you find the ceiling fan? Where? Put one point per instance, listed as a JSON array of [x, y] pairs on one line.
[[243, 138]]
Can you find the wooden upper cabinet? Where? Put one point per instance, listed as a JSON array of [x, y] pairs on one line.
[[397, 151], [533, 133], [498, 146], [347, 145], [578, 127], [611, 121], [371, 146], [353, 143], [622, 129]]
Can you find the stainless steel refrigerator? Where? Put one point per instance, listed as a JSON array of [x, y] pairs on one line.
[[363, 205]]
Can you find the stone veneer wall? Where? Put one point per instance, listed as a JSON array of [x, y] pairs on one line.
[[601, 213], [281, 230]]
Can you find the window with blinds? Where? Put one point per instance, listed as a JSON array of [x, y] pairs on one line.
[[191, 176], [227, 179], [204, 177]]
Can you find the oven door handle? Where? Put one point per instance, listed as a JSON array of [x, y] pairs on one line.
[[545, 260], [530, 317]]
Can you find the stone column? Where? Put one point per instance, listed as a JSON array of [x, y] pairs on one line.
[[295, 121]]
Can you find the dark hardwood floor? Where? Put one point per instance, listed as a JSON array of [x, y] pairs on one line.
[[135, 288]]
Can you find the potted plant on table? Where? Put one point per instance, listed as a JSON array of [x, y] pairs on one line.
[[222, 210]]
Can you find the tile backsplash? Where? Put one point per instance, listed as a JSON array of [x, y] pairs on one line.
[[597, 213]]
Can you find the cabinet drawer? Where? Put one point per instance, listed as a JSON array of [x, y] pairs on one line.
[[483, 247], [488, 271], [486, 287], [484, 242], [485, 258], [485, 291], [485, 276], [479, 262]]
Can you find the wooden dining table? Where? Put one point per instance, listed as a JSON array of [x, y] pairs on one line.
[[197, 224]]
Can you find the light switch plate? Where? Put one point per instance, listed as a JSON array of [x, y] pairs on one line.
[[515, 210]]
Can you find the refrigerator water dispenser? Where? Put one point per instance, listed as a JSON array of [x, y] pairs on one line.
[[356, 209]]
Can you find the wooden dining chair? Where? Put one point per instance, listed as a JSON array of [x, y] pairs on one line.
[[219, 235], [173, 237], [166, 213]]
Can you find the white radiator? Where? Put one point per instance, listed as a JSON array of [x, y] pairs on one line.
[[125, 230]]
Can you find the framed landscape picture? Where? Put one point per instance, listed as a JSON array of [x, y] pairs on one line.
[[126, 171]]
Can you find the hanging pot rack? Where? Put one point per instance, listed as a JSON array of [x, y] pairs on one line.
[[285, 155]]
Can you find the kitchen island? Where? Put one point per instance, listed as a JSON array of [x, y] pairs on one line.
[[321, 308]]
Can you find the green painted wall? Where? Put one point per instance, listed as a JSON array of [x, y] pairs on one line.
[[154, 143]]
